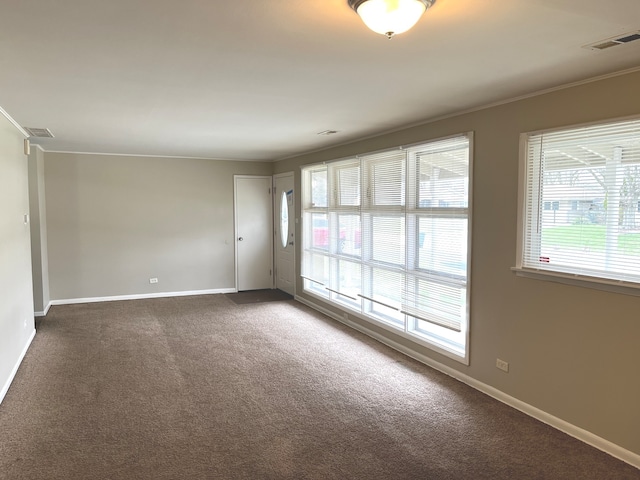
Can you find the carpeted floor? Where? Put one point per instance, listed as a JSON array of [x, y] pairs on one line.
[[202, 388]]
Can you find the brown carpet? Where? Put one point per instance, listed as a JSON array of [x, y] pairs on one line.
[[201, 388], [258, 296]]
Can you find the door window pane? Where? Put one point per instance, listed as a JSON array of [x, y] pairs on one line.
[[284, 219]]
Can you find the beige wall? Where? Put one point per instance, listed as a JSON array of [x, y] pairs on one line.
[[113, 222], [38, 212], [573, 352], [16, 300]]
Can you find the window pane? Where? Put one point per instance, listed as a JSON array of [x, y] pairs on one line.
[[583, 186], [443, 177], [388, 239], [319, 231], [316, 267], [442, 245], [433, 302], [349, 185], [319, 188], [350, 241], [349, 282], [388, 180], [403, 266], [387, 293]]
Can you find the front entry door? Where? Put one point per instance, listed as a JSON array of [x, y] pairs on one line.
[[254, 227], [284, 222]]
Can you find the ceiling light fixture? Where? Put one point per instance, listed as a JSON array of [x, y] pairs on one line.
[[390, 17]]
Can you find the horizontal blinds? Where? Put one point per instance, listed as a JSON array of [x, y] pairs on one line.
[[436, 292], [394, 233], [435, 302], [315, 225], [442, 174], [582, 202], [386, 179], [346, 183], [317, 189]]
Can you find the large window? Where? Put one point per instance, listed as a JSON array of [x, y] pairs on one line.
[[580, 214], [386, 236]]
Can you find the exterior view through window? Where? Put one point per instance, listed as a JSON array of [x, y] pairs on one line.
[[386, 235], [582, 202]]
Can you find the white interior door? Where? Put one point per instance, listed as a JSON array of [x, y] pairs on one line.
[[254, 227], [284, 232]]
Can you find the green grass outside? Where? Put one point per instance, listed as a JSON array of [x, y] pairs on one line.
[[589, 236]]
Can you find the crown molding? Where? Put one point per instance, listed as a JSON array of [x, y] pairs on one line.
[[14, 123], [498, 103], [69, 152]]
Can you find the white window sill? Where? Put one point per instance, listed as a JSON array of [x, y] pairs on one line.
[[596, 283]]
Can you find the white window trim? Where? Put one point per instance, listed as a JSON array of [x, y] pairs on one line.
[[595, 283], [462, 356]]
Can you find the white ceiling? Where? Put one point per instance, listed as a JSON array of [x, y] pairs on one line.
[[257, 79]]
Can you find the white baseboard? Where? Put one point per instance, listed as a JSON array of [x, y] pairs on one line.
[[71, 301], [43, 313], [5, 387], [566, 427]]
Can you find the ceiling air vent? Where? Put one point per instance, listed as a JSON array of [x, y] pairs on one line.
[[39, 132], [614, 42], [629, 38], [327, 132]]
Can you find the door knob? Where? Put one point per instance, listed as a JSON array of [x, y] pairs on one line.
[[240, 239], [290, 243]]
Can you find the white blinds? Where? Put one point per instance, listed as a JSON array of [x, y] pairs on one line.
[[436, 285], [391, 229], [315, 263], [582, 201]]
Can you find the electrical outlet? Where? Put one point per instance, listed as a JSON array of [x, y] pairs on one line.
[[153, 280], [502, 365]]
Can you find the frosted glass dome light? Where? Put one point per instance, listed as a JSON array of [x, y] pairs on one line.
[[390, 17]]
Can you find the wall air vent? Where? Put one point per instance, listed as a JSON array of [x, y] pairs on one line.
[[39, 132], [614, 41]]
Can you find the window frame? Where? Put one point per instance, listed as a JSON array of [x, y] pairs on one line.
[[452, 344], [595, 282]]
